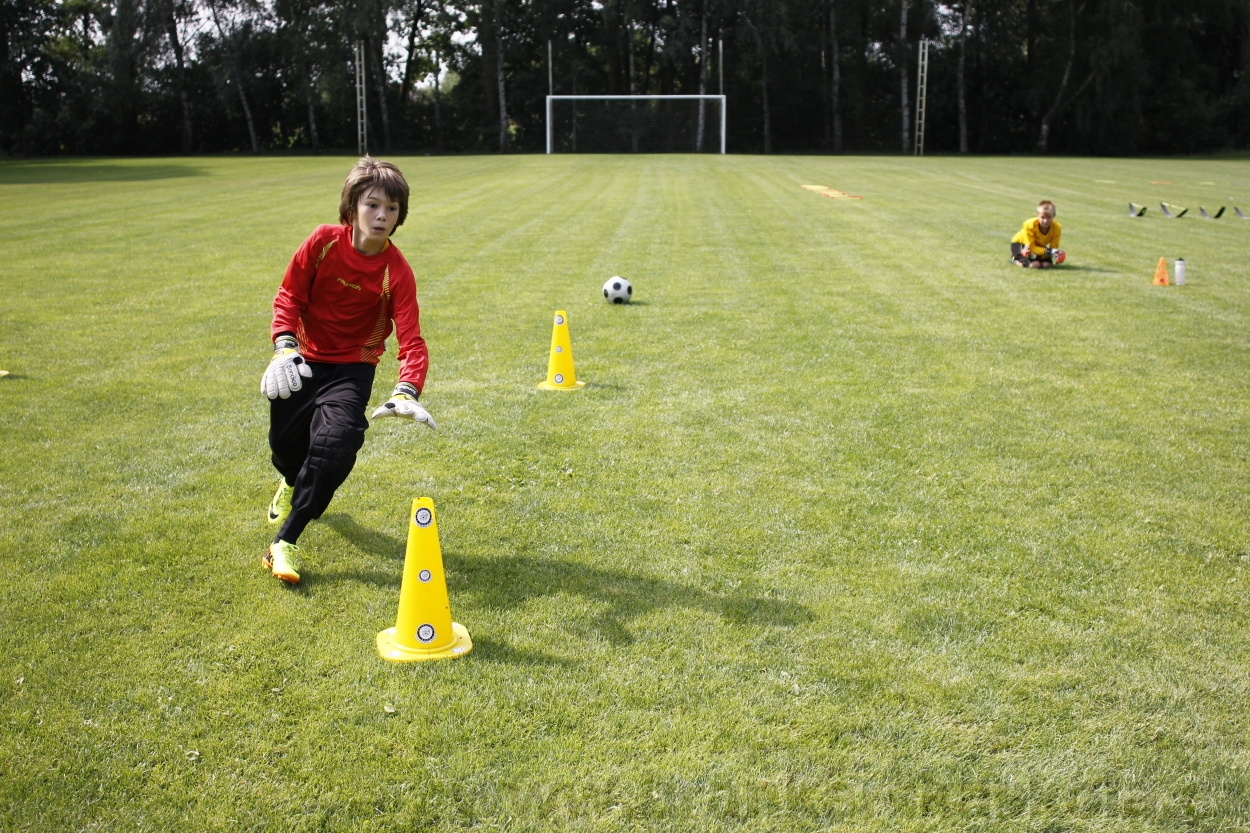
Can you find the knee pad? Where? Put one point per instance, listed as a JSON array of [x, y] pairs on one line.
[[335, 445]]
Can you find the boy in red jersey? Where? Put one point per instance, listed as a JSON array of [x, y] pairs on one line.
[[342, 291], [1036, 244]]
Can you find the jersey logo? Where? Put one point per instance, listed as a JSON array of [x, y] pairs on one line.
[[354, 286]]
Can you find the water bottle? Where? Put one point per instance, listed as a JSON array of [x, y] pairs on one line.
[[1179, 272]]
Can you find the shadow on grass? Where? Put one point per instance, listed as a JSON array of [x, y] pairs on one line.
[[605, 386], [71, 172], [486, 649], [507, 582], [364, 538], [510, 581], [1061, 270]]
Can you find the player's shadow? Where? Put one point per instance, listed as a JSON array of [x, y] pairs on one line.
[[620, 597]]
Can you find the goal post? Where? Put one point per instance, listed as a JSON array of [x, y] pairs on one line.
[[636, 124]]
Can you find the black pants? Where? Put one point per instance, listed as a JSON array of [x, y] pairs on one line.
[[314, 437]]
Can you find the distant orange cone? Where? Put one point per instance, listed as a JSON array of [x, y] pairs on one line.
[[1161, 272]]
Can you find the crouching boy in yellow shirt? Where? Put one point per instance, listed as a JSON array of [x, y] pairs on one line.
[[1036, 244]]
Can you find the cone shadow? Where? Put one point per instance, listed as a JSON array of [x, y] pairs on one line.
[[493, 651], [508, 582]]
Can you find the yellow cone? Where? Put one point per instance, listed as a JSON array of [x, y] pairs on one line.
[[423, 630], [560, 372], [1161, 272]]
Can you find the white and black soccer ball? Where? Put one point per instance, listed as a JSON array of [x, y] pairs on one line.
[[617, 290]]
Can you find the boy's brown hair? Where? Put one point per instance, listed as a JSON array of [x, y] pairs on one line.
[[370, 173], [1045, 203]]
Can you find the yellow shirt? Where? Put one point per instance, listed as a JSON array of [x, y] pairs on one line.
[[1037, 242]]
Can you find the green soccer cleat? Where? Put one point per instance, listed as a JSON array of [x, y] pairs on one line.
[[282, 559], [280, 506]]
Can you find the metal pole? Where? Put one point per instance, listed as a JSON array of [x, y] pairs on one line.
[[915, 148], [722, 125], [356, 65], [922, 91], [362, 120], [720, 65], [548, 124], [551, 88]]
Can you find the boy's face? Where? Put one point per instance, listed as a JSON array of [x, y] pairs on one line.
[[376, 214], [1045, 213]]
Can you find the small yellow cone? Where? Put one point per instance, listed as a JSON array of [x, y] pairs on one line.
[[423, 629], [1161, 272], [560, 372]]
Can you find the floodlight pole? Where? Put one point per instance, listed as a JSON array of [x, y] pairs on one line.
[[362, 122], [720, 68], [922, 89]]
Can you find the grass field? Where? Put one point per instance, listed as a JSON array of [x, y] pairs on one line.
[[855, 526]]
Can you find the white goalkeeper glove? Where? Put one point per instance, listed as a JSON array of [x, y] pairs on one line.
[[285, 369], [403, 403]]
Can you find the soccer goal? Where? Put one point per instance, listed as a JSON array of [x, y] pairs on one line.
[[635, 124]]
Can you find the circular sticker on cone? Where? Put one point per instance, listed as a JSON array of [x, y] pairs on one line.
[[424, 575], [425, 634], [559, 378], [424, 517], [559, 319]]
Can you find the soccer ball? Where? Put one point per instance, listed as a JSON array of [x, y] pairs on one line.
[[618, 290]]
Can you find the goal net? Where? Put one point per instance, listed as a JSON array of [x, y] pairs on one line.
[[635, 124]]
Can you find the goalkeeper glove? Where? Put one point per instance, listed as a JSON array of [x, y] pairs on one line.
[[285, 369], [403, 403]]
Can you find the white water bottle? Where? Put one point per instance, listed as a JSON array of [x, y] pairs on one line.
[[1179, 272]]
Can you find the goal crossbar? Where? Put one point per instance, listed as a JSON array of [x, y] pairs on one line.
[[718, 98]]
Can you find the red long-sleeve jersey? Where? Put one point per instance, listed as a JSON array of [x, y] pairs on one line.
[[340, 304]]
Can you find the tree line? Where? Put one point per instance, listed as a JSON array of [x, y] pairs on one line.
[[820, 76]]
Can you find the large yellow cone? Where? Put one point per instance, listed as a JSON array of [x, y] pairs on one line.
[[423, 630], [560, 372]]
